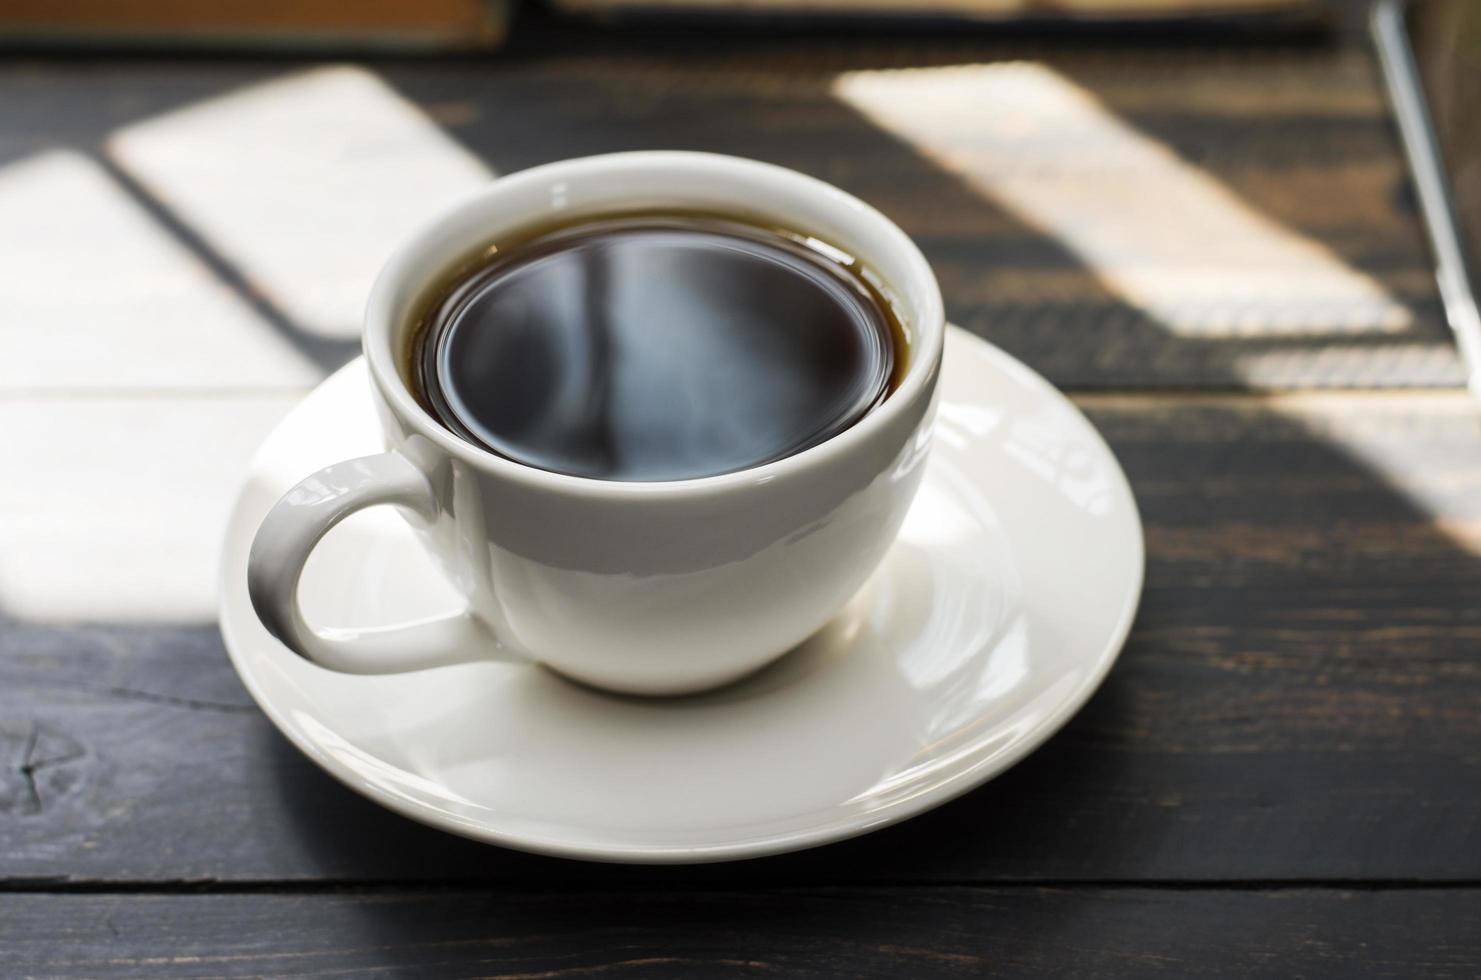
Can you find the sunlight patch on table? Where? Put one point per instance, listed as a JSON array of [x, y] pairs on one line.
[[96, 294], [113, 509], [1424, 446], [305, 183], [1161, 234]]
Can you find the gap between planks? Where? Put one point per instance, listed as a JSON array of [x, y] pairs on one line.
[[150, 393], [1286, 399], [32, 886], [1090, 398]]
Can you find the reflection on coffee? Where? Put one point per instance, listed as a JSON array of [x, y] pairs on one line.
[[655, 347]]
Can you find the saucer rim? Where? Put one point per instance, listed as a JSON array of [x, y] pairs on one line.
[[849, 826]]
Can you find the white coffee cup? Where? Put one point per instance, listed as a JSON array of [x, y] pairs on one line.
[[650, 588]]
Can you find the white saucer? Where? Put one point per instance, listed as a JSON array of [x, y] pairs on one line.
[[997, 613]]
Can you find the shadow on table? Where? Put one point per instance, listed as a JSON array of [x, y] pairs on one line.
[[1272, 643], [1007, 826], [1253, 162], [1079, 323], [511, 122]]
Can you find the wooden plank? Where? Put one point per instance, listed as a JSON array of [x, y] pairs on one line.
[[1291, 142], [384, 24], [915, 932], [116, 530], [1297, 701], [960, 9], [1298, 141]]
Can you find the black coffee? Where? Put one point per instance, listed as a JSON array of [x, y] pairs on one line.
[[655, 348]]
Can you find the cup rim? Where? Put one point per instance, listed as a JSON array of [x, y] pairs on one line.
[[380, 328]]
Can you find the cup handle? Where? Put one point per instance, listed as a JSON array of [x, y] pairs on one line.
[[289, 533]]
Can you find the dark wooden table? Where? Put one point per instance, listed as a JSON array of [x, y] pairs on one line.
[[1282, 775]]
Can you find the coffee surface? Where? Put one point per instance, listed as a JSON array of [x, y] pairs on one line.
[[656, 348]]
